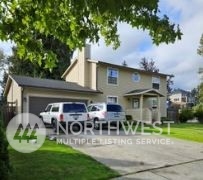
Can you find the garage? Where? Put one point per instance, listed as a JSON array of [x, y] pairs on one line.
[[33, 94], [38, 104]]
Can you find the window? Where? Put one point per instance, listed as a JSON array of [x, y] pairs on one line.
[[112, 99], [112, 76], [154, 103], [135, 103], [96, 108], [48, 108], [55, 109], [114, 108], [136, 77], [74, 108], [155, 82]]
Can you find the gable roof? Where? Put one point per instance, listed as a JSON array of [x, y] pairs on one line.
[[26, 81], [132, 69], [143, 91], [114, 65]]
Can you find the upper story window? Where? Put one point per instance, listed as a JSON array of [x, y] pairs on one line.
[[112, 75], [136, 77], [155, 82]]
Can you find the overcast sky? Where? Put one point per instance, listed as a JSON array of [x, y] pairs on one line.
[[180, 58]]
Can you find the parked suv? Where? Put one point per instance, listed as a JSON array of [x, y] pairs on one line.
[[106, 113], [64, 112]]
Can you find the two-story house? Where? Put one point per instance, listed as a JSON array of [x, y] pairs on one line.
[[142, 94], [181, 98]]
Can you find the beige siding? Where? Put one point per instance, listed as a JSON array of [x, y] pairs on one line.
[[73, 74], [14, 95], [83, 70], [84, 77], [126, 84], [92, 75]]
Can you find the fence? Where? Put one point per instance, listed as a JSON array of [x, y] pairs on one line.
[[173, 115], [8, 111]]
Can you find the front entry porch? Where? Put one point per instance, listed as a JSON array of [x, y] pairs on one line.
[[144, 105]]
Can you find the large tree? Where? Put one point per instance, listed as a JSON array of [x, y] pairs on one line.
[[200, 49], [25, 67], [3, 67], [148, 65], [72, 22]]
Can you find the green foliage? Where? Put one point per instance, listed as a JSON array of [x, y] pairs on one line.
[[4, 156], [200, 93], [185, 115], [129, 118], [198, 112], [25, 67], [72, 22]]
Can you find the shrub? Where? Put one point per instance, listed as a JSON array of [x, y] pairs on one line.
[[198, 112], [4, 156], [129, 117], [185, 115]]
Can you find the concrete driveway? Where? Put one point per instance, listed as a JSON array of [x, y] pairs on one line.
[[142, 156]]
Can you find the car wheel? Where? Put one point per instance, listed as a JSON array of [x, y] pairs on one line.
[[54, 125], [42, 120], [96, 124]]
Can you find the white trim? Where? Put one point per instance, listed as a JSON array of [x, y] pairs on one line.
[[112, 97], [69, 68], [146, 91], [107, 76], [92, 60]]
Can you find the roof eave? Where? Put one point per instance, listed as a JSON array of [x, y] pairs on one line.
[[69, 68], [63, 89], [130, 68], [145, 92]]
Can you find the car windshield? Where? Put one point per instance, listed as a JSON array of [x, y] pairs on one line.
[[114, 108], [70, 108]]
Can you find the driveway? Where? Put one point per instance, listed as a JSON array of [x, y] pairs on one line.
[[142, 156]]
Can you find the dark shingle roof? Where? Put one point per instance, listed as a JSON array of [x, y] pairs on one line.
[[133, 69], [27, 81]]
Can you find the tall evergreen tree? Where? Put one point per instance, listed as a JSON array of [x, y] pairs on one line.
[[147, 65]]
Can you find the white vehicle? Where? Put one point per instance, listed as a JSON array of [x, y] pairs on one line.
[[106, 113], [65, 112]]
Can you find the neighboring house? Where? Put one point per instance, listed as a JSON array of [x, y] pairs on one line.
[[141, 93], [181, 98]]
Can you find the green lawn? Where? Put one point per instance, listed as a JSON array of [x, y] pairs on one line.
[[187, 131], [54, 161]]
